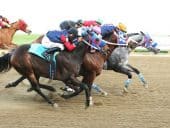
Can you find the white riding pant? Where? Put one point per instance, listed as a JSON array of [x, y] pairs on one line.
[[49, 44]]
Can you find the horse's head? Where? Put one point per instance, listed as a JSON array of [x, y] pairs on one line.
[[112, 37], [132, 44], [21, 25], [106, 51], [149, 44], [142, 39], [111, 41]]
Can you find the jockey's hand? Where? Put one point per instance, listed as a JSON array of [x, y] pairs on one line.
[[80, 39], [63, 38]]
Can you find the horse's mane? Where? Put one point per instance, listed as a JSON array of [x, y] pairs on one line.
[[80, 47], [138, 37]]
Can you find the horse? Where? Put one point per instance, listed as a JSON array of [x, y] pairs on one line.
[[118, 61], [6, 34], [33, 67], [92, 66]]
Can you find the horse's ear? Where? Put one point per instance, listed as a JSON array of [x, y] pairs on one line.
[[142, 33]]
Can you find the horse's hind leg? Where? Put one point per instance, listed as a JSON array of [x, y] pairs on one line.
[[50, 88], [15, 83], [35, 86], [140, 76]]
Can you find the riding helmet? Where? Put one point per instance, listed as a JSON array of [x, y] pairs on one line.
[[73, 31]]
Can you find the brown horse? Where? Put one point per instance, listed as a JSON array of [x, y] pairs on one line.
[[93, 64], [6, 34]]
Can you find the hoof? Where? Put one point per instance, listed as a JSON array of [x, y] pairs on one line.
[[86, 106], [8, 85], [65, 96], [145, 86], [104, 93], [52, 89], [29, 90], [125, 90], [90, 102], [55, 105]]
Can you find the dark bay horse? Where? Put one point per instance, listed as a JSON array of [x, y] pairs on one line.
[[118, 61], [6, 34], [32, 68]]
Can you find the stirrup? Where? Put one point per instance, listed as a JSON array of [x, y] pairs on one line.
[[44, 54]]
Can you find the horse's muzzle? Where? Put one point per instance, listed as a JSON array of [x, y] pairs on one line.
[[28, 31]]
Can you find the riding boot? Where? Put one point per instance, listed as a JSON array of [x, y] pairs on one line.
[[50, 51]]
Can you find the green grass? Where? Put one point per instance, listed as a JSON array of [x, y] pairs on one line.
[[20, 39], [146, 51]]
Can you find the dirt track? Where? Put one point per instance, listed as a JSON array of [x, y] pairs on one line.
[[140, 108]]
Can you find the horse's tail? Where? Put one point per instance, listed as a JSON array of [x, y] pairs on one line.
[[5, 63]]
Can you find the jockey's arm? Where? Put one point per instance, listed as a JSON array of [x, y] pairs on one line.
[[69, 46]]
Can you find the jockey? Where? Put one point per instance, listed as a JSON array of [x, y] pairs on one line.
[[93, 36], [122, 30], [58, 40], [96, 41], [92, 30], [4, 22]]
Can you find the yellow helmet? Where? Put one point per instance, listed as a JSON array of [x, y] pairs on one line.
[[122, 27]]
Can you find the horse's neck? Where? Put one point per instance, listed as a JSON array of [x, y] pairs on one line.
[[112, 48], [138, 37], [123, 51], [80, 50], [9, 32]]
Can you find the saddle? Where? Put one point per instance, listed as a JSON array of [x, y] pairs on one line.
[[38, 50]]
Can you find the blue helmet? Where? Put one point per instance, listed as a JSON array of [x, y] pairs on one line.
[[73, 31]]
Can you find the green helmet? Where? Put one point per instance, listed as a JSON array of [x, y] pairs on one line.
[[99, 21]]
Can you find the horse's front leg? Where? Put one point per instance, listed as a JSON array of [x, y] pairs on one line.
[[75, 86], [88, 79], [82, 86]]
